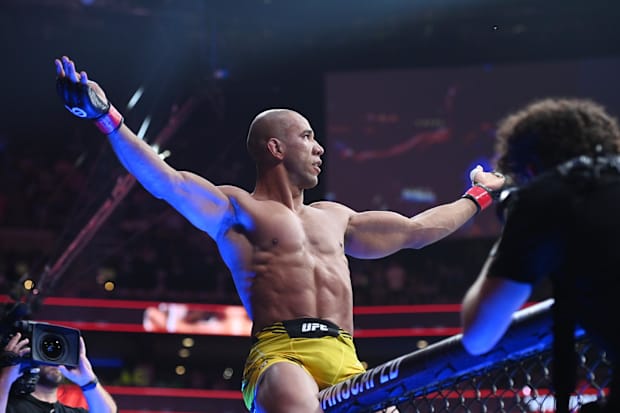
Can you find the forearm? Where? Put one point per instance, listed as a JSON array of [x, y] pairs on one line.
[[470, 303], [438, 222], [376, 234], [5, 388], [487, 308], [99, 400], [142, 161]]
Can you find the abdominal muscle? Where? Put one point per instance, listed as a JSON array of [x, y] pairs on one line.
[[289, 265], [301, 285]]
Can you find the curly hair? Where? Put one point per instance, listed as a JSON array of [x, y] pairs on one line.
[[550, 131]]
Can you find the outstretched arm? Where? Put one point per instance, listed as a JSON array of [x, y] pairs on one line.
[[376, 234], [15, 348], [200, 201]]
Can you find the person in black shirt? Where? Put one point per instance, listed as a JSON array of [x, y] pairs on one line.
[[561, 222], [44, 398]]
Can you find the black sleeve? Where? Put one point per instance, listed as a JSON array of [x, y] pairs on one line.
[[67, 409], [530, 246]]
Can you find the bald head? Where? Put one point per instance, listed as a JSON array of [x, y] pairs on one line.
[[271, 123]]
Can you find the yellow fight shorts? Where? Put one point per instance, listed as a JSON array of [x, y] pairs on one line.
[[320, 347]]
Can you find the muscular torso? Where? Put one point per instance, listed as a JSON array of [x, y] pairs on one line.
[[288, 264]]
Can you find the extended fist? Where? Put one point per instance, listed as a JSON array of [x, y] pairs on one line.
[[494, 181], [485, 187]]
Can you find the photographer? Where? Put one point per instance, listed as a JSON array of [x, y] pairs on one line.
[[44, 397]]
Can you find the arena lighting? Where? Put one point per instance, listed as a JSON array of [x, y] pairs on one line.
[[339, 24], [220, 74], [163, 154], [144, 127], [228, 373], [29, 284], [135, 98]]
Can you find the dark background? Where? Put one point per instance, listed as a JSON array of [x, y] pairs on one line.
[[412, 137], [273, 53], [237, 58]]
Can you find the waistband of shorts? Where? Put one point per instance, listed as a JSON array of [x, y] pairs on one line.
[[306, 327]]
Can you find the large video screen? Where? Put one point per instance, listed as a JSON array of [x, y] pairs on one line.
[[405, 140]]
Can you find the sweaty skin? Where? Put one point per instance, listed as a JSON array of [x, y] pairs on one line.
[[288, 259], [288, 263]]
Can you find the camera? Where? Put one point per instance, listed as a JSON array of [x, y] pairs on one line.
[[50, 344]]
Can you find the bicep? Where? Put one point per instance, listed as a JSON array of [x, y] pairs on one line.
[[200, 201], [376, 234]]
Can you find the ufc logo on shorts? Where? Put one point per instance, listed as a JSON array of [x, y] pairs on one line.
[[308, 327]]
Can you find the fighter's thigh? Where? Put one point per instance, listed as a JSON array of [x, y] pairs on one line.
[[286, 387]]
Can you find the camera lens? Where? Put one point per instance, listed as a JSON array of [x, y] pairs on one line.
[[52, 346]]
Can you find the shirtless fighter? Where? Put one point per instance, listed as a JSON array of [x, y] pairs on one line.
[[288, 259]]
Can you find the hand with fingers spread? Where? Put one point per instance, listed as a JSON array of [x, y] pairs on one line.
[[84, 98]]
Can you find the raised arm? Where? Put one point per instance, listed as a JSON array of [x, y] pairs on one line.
[[97, 397], [376, 234], [15, 348], [200, 201]]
